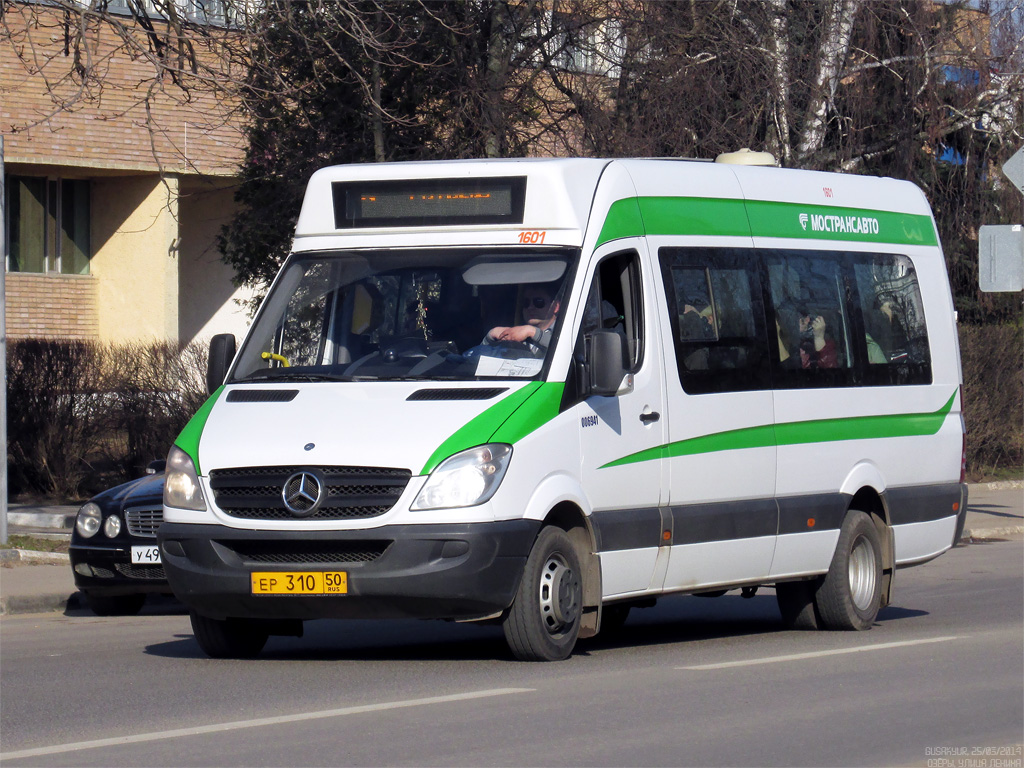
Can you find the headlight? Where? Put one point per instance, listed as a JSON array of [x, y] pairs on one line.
[[89, 519], [112, 526], [465, 479], [181, 483]]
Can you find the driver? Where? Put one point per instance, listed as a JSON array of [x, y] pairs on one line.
[[540, 309]]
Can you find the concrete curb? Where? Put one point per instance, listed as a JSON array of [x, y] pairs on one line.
[[56, 520], [26, 555], [988, 534], [41, 603]]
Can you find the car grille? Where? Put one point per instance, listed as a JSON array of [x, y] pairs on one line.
[[306, 552], [144, 521], [141, 571], [255, 493]]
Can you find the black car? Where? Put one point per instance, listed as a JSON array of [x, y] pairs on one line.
[[113, 550]]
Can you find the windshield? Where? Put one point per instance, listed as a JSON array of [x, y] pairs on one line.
[[455, 314]]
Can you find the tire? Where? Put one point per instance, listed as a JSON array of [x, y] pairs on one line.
[[228, 638], [544, 620], [851, 593], [796, 604], [116, 605]]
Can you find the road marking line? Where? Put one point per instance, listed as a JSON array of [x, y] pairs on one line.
[[818, 654], [264, 721]]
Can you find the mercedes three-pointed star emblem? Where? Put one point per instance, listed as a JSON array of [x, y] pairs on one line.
[[301, 493]]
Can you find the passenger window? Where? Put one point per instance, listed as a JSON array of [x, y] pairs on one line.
[[717, 319], [895, 337], [811, 318]]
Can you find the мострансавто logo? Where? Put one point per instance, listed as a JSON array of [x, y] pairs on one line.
[[827, 222]]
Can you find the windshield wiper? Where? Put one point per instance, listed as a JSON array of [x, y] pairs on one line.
[[279, 375]]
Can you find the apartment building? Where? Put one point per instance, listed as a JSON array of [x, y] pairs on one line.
[[115, 187]]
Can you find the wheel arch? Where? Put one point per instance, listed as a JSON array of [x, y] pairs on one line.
[[869, 500]]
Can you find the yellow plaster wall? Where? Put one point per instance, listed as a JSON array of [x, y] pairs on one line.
[[209, 302], [135, 259]]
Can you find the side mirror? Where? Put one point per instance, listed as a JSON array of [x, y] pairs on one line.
[[156, 467], [222, 352], [607, 358]]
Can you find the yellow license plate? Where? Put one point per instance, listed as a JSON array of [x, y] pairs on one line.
[[300, 583]]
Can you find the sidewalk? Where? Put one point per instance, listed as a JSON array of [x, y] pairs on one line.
[[34, 582]]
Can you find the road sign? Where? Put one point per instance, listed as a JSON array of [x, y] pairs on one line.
[[1013, 169], [1001, 258]]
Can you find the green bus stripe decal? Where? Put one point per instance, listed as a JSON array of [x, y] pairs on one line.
[[721, 217], [188, 440], [507, 421], [799, 433]]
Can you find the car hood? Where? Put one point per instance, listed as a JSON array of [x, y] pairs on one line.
[[144, 491], [361, 424]]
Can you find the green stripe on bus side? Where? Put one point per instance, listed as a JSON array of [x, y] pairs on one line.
[[507, 421], [637, 216], [188, 440], [825, 222], [799, 433]]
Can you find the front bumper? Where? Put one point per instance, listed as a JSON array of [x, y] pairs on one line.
[[452, 571], [109, 572]]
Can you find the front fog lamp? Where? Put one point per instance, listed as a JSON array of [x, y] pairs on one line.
[[465, 479], [181, 483], [89, 520], [112, 526]]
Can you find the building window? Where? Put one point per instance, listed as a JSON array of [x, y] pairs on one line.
[[48, 225]]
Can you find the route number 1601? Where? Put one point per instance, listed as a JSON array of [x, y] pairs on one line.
[[533, 238]]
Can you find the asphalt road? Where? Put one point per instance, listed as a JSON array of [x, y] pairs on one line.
[[694, 681]]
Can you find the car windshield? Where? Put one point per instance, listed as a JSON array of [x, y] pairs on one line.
[[455, 314]]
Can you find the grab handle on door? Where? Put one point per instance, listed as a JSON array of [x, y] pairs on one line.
[[650, 418]]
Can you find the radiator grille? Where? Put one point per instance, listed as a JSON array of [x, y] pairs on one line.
[[254, 493], [143, 522]]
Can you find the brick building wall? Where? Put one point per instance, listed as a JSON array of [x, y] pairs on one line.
[[51, 306], [136, 135], [130, 116]]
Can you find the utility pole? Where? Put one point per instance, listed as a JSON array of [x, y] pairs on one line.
[[3, 345]]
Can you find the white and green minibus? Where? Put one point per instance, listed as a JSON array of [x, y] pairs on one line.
[[541, 392]]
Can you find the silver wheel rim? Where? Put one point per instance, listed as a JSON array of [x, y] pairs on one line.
[[559, 594], [862, 574]]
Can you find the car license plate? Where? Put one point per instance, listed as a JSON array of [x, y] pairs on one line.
[[299, 583], [149, 555]]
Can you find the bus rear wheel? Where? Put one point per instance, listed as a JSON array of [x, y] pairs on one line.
[[851, 594], [544, 620]]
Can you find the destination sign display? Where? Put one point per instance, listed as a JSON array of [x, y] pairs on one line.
[[429, 202]]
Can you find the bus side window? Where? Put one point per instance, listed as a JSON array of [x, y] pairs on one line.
[[895, 335], [811, 318], [717, 319]]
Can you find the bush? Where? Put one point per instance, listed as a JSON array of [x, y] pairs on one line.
[[993, 396], [54, 420], [83, 417]]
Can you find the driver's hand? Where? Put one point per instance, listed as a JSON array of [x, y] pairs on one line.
[[517, 333], [496, 333]]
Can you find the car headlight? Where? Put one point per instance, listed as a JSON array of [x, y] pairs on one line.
[[465, 479], [89, 519], [112, 526], [181, 483]]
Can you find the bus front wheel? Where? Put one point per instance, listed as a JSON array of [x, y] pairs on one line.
[[544, 620], [228, 638]]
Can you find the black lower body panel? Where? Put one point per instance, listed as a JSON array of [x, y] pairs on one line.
[[451, 571]]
